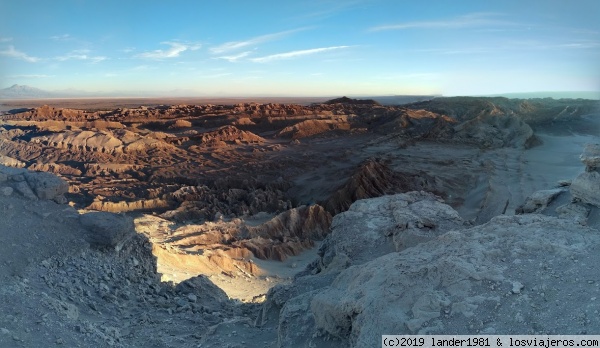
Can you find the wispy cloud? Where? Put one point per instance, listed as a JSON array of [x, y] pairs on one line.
[[30, 76], [236, 57], [81, 55], [14, 53], [511, 46], [294, 54], [5, 39], [143, 67], [63, 37], [216, 75], [235, 45], [466, 21], [174, 51]]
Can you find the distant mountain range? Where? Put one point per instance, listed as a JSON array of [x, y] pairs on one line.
[[28, 92], [24, 92]]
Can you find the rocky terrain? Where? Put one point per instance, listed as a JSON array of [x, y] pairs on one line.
[[165, 202]]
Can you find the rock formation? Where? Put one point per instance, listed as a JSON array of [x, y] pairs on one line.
[[107, 229], [374, 178], [34, 185], [288, 233], [309, 128], [580, 203], [460, 281], [586, 187]]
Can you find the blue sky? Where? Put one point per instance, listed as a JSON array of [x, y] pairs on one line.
[[302, 48]]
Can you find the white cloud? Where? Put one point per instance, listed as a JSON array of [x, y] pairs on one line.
[[81, 55], [13, 53], [143, 67], [294, 54], [63, 37], [234, 58], [5, 39], [466, 21], [176, 49], [235, 45]]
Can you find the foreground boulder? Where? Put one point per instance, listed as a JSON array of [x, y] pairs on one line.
[[107, 229], [46, 185], [513, 275], [586, 187], [538, 201], [34, 185]]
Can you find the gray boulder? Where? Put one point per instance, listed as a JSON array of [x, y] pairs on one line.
[[46, 185], [107, 229], [591, 157], [375, 227], [586, 187], [538, 201]]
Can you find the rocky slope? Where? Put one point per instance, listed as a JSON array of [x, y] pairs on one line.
[[89, 280], [408, 264]]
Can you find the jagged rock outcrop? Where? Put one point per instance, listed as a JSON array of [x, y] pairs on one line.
[[229, 134], [494, 130], [288, 233], [586, 187], [309, 128], [374, 178], [83, 141], [11, 162], [203, 202], [480, 279], [129, 206]]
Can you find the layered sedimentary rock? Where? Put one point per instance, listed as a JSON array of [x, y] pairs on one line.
[[375, 178], [288, 233], [229, 246], [229, 134], [309, 128]]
